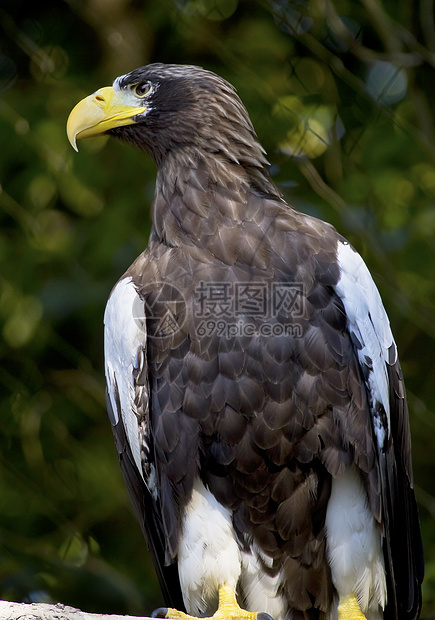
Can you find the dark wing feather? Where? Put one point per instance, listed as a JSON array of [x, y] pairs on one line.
[[127, 399], [404, 550], [144, 507]]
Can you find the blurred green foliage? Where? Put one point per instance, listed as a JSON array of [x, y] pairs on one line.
[[341, 95]]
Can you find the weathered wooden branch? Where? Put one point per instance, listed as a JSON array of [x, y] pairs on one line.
[[44, 611]]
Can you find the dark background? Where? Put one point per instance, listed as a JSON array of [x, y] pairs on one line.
[[342, 96]]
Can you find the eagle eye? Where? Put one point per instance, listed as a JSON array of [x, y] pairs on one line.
[[143, 89]]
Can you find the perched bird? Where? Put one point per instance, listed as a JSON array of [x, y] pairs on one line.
[[253, 382]]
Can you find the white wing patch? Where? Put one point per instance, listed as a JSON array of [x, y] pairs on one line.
[[354, 542], [369, 326], [124, 340]]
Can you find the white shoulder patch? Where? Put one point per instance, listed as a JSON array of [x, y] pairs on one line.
[[124, 339], [369, 325]]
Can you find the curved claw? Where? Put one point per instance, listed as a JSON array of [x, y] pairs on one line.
[[170, 613], [160, 612], [228, 610]]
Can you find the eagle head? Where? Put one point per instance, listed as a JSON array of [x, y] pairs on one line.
[[168, 110]]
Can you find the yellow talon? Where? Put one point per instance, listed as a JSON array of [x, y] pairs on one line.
[[348, 609], [228, 609]]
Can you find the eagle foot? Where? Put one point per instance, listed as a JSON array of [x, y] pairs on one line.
[[349, 609], [228, 609]]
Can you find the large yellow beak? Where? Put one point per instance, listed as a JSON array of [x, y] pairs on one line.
[[98, 113]]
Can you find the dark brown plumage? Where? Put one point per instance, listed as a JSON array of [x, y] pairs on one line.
[[266, 404]]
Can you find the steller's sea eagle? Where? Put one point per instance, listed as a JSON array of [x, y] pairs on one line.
[[253, 383]]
